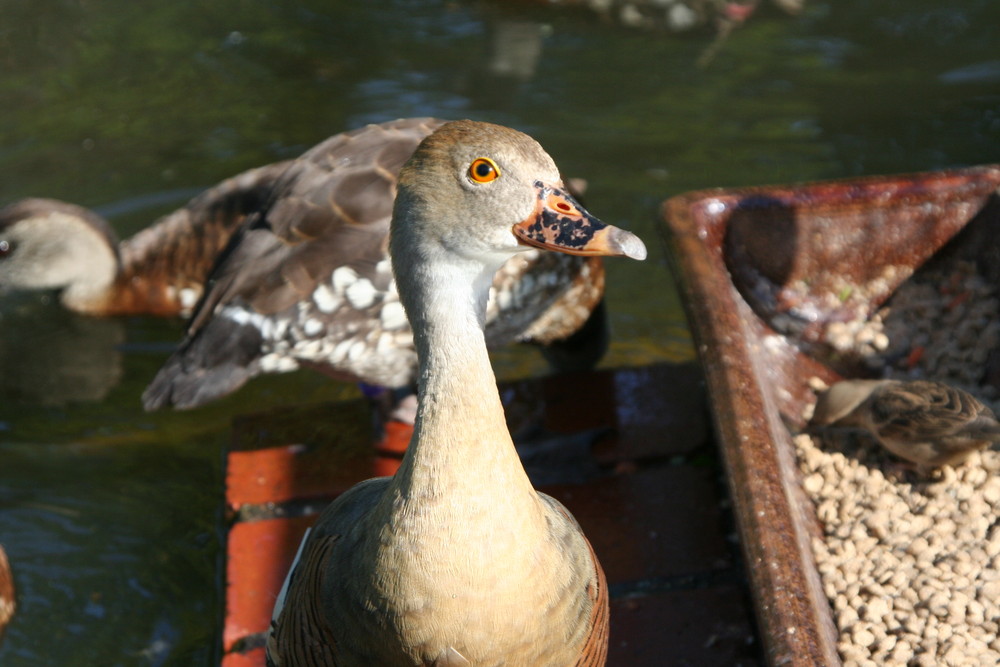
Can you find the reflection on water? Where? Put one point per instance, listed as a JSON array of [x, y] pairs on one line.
[[111, 516], [95, 573], [49, 356]]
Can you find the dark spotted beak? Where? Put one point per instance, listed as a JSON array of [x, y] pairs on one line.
[[560, 223]]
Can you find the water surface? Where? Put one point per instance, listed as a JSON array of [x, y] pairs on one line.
[[112, 517]]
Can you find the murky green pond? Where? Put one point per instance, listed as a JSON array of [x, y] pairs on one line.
[[111, 516]]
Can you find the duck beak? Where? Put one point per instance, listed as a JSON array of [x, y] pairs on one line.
[[559, 223]]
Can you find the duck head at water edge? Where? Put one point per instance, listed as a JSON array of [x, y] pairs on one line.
[[48, 244], [456, 560]]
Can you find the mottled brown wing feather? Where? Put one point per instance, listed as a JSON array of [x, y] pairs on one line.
[[300, 637], [594, 652], [922, 409], [318, 218], [595, 649], [179, 250]]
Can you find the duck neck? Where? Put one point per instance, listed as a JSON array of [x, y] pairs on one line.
[[461, 447]]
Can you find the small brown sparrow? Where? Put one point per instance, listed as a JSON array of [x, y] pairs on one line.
[[925, 422]]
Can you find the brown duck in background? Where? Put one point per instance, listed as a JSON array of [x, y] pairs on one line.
[[925, 422], [456, 560], [307, 282], [49, 244]]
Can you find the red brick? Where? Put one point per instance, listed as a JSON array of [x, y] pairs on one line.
[[301, 453], [653, 411], [259, 554], [661, 410], [652, 523], [697, 628]]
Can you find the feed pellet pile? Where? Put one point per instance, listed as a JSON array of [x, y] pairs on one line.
[[911, 564]]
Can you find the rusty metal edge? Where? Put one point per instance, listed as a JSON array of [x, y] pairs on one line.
[[773, 514], [792, 611]]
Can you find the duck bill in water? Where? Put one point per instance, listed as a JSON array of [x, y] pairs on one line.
[[560, 223]]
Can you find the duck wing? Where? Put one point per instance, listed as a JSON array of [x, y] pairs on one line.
[[306, 273]]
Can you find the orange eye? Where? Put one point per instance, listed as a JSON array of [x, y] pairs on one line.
[[483, 170]]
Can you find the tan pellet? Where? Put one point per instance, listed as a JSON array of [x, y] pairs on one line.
[[912, 566]]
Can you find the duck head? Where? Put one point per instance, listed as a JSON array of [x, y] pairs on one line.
[[46, 244], [482, 192]]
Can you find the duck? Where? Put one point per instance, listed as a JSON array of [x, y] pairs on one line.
[[456, 559], [8, 604], [927, 423], [294, 256], [48, 244], [307, 282]]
